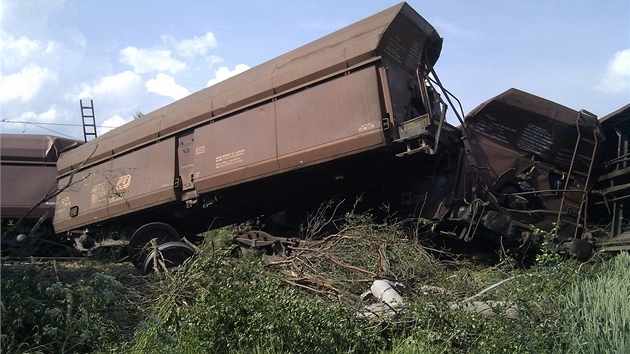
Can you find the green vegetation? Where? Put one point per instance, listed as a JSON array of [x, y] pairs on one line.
[[64, 310], [597, 310], [226, 301], [235, 305]]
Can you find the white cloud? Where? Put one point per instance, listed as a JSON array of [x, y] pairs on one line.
[[46, 117], [49, 116], [29, 17], [617, 76], [24, 84], [111, 123], [146, 61], [213, 59], [116, 85], [188, 48], [165, 85], [224, 73], [15, 51]]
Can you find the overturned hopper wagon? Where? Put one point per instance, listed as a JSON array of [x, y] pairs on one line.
[[351, 113], [527, 166]]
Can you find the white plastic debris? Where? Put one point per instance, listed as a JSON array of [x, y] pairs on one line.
[[389, 299]]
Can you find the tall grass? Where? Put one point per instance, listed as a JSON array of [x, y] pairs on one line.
[[598, 310]]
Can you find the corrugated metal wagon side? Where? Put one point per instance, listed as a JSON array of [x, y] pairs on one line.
[[255, 142]]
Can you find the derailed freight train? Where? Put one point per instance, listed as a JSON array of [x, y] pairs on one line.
[[325, 120], [355, 114]]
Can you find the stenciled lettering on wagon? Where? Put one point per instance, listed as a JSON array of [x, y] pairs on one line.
[[394, 47], [99, 195], [65, 202], [410, 198], [229, 159], [365, 127], [123, 183], [414, 54], [536, 139], [492, 129], [62, 205]]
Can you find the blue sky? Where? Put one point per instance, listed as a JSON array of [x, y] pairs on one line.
[[131, 56]]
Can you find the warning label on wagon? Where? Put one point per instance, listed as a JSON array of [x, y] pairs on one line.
[[535, 139], [230, 159]]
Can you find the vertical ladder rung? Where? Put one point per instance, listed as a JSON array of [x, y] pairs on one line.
[[89, 122]]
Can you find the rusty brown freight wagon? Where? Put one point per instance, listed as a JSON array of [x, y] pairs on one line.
[[28, 171], [346, 114], [528, 166]]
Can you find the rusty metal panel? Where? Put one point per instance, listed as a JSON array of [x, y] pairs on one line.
[[400, 84], [84, 199], [28, 171], [85, 155], [142, 179], [529, 125], [244, 89], [123, 185], [131, 135], [338, 114], [144, 131], [517, 136], [177, 117], [235, 149], [291, 74], [398, 34], [23, 186], [410, 41], [33, 147]]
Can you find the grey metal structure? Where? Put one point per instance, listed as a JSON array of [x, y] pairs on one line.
[[612, 191]]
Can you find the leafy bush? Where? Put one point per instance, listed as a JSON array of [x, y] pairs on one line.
[[224, 304], [42, 314]]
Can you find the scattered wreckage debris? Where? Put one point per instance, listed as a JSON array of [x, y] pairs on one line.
[[387, 300], [345, 263]]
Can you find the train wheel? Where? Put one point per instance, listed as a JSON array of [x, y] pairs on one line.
[[168, 256], [139, 244]]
